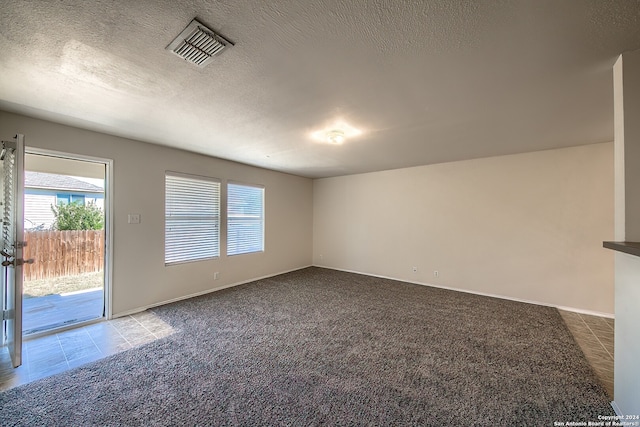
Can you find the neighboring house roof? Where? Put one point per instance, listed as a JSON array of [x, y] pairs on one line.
[[58, 182]]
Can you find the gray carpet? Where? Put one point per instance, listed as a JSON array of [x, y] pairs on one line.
[[321, 347]]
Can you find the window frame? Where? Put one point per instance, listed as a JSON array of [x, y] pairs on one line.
[[69, 198], [189, 219]]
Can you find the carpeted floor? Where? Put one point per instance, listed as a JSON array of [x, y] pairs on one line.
[[321, 347]]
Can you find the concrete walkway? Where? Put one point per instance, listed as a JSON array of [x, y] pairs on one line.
[[41, 313]]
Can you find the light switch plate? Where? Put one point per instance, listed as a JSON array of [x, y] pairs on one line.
[[134, 218]]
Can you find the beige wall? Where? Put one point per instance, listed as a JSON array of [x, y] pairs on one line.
[[527, 226], [140, 278]]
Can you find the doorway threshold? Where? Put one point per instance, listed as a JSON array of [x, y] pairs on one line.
[[60, 310], [54, 329]]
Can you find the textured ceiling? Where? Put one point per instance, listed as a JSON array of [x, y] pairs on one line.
[[425, 81]]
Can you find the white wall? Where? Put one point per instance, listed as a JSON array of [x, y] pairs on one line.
[[626, 82], [627, 334], [527, 226], [140, 277]]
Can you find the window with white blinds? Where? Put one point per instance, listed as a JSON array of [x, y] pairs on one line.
[[192, 218], [245, 219]]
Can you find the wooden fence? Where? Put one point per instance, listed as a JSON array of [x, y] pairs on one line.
[[63, 253]]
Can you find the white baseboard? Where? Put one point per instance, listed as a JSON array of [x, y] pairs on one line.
[[197, 294], [616, 409], [576, 310], [589, 312]]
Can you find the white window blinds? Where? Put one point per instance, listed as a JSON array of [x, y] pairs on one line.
[[192, 218], [245, 219]]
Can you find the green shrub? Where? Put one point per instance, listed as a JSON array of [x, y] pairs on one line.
[[78, 216]]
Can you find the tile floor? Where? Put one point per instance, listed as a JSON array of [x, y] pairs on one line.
[[55, 353], [595, 337]]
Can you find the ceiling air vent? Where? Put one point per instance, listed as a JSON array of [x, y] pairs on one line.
[[198, 44]]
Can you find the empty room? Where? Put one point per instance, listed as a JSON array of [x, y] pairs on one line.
[[340, 212]]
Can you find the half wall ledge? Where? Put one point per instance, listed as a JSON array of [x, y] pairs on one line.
[[632, 248]]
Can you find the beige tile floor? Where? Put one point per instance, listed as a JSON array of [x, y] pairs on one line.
[[595, 337], [58, 352]]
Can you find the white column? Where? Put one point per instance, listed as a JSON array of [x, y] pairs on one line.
[[626, 76]]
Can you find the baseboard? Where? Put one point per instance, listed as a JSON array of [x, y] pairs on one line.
[[589, 312], [197, 294], [616, 409], [485, 294]]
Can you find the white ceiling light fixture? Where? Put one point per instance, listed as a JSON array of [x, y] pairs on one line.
[[336, 133], [335, 136], [198, 44]]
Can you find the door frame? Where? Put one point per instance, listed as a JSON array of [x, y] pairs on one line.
[[108, 214]]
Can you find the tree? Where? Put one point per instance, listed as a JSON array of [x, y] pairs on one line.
[[78, 216]]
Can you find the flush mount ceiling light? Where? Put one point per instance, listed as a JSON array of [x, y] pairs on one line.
[[335, 136], [336, 133], [198, 44]]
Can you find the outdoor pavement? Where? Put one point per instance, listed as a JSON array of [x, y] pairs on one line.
[[39, 313]]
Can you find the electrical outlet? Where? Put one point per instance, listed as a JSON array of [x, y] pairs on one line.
[[134, 218], [215, 275], [415, 269], [435, 273]]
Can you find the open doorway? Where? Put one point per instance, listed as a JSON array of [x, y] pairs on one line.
[[64, 224]]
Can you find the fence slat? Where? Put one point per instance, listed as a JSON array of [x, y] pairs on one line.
[[63, 253]]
